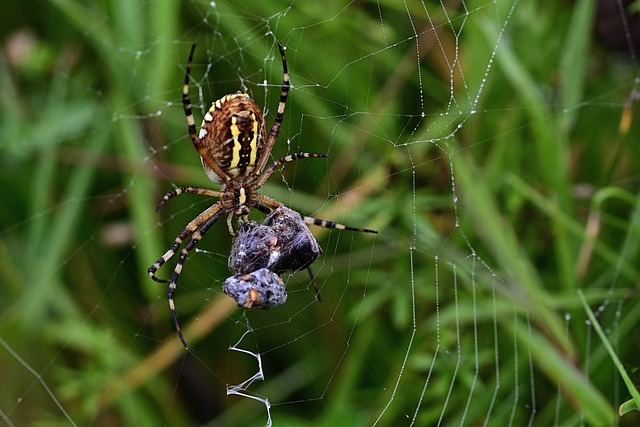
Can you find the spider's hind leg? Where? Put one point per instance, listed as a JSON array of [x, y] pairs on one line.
[[330, 224], [173, 283], [315, 284], [212, 211]]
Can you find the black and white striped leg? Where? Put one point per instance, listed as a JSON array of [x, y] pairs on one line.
[[191, 123], [188, 190], [288, 158], [173, 283], [212, 211], [275, 129], [330, 224], [186, 101]]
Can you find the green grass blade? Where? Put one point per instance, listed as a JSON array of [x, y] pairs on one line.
[[626, 407]]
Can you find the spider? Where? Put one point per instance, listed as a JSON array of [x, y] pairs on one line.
[[234, 150]]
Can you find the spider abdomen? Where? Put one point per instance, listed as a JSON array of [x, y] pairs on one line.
[[233, 133]]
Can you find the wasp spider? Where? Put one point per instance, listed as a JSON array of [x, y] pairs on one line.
[[234, 150]]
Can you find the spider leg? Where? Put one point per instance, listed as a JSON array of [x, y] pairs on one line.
[[330, 224], [173, 283], [211, 212], [315, 284], [207, 158], [275, 129], [266, 204], [289, 158], [189, 190], [230, 225]]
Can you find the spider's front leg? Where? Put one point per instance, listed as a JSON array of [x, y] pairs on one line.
[[188, 190]]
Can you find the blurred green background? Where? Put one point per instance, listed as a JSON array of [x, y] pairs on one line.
[[494, 145]]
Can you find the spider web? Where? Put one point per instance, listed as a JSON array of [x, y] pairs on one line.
[[444, 131]]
